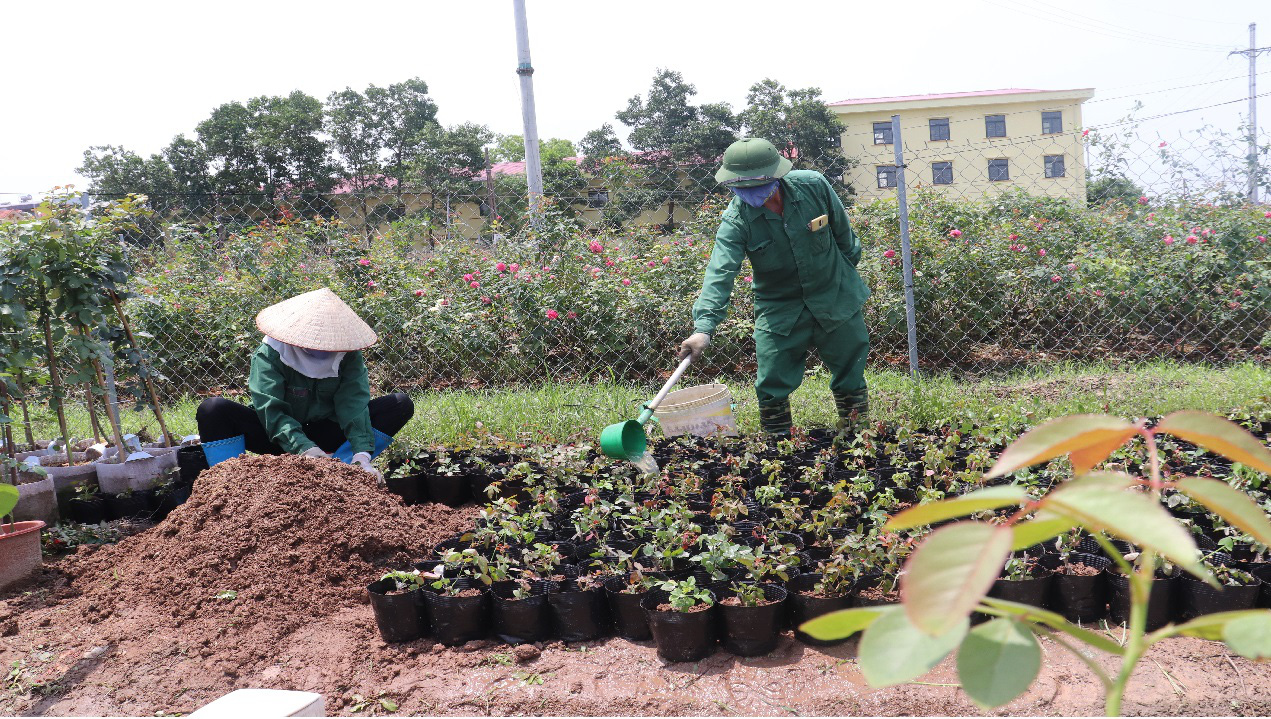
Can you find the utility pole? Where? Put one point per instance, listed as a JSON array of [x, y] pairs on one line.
[[533, 166], [1252, 53]]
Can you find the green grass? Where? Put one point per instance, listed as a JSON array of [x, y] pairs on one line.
[[559, 412]]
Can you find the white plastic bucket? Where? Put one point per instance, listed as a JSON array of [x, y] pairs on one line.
[[703, 410]]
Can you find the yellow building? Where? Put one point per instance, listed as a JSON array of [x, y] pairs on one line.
[[969, 144]]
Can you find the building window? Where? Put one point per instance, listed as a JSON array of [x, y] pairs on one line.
[[995, 125], [942, 173], [835, 140], [999, 170], [939, 128], [1054, 165], [882, 133], [1052, 122], [886, 176], [597, 198]]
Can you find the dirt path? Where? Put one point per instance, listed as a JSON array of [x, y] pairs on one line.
[[140, 663]]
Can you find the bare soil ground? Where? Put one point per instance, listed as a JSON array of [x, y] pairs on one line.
[[145, 626]]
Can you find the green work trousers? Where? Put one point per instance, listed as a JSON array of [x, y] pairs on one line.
[[783, 359]]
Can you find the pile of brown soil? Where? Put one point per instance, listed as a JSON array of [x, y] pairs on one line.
[[277, 541]]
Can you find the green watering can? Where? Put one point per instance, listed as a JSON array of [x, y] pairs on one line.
[[626, 440]]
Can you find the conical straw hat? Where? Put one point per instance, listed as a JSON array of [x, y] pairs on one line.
[[316, 320]]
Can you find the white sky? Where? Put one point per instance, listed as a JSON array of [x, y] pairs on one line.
[[137, 74]]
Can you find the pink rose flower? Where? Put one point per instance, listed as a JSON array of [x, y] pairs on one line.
[[596, 247], [1142, 200], [467, 277], [955, 233], [1262, 239], [666, 260], [370, 283], [552, 314], [1055, 278], [500, 267], [1072, 267], [419, 293], [1041, 252], [364, 262], [1013, 236], [889, 254], [474, 285], [749, 278], [1169, 240], [1191, 239], [514, 267], [485, 300], [626, 282]]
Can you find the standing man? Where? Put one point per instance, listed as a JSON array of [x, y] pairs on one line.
[[792, 227]]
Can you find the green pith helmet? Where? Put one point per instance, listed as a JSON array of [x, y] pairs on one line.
[[751, 162]]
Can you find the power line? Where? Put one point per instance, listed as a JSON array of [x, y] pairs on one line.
[[1051, 17], [1171, 89], [1113, 27]]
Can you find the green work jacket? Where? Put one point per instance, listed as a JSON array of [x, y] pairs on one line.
[[286, 400], [794, 266]]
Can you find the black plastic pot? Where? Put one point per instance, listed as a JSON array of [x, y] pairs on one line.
[[680, 636], [458, 620], [578, 615], [803, 607], [751, 631], [629, 621], [133, 506], [1262, 571], [1082, 598], [1033, 592], [400, 617], [410, 488], [190, 462], [517, 621], [87, 511], [450, 491], [1195, 598], [1160, 603]]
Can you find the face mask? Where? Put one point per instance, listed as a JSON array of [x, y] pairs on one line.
[[317, 354], [756, 196]]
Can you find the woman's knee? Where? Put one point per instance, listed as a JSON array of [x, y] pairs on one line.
[[213, 407]]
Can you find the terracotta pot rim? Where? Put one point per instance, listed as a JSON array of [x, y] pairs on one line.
[[20, 528]]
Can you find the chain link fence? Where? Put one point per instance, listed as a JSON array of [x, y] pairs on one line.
[[1027, 249]]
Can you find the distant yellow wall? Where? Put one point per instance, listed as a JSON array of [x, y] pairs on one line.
[[968, 148]]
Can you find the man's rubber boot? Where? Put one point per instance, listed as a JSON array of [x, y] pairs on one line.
[[775, 419], [853, 411]]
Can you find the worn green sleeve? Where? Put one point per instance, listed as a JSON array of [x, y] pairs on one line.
[[268, 388], [352, 403], [847, 241], [721, 272]]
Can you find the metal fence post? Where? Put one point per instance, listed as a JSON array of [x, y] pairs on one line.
[[906, 257]]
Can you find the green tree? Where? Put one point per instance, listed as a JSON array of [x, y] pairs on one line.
[[511, 148], [114, 171], [799, 123], [286, 135], [358, 137], [446, 163], [679, 143], [405, 115]]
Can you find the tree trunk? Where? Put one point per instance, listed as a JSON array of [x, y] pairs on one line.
[[146, 372], [55, 378], [112, 413], [92, 412]]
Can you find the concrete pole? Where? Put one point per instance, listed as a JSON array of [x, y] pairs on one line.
[[1253, 113], [533, 166], [906, 255]]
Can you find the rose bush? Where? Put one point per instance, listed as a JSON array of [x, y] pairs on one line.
[[1005, 278]]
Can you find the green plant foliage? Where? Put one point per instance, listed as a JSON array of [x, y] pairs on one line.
[[1250, 636], [893, 650], [8, 498], [1218, 435], [970, 503], [951, 571], [998, 661]]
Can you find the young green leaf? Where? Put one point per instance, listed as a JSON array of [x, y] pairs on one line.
[[979, 500], [998, 661], [1090, 438], [1229, 503], [8, 498], [845, 622], [1030, 613], [893, 650], [1099, 503], [1250, 636], [1040, 528], [1218, 435], [1210, 626], [951, 571]]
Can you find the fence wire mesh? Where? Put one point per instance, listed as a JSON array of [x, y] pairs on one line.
[[1030, 245]]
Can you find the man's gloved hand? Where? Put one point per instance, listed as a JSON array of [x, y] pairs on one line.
[[694, 345], [314, 452], [363, 460]]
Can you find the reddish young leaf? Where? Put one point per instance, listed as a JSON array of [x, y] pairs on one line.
[[1218, 435], [1229, 503], [1090, 438]]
